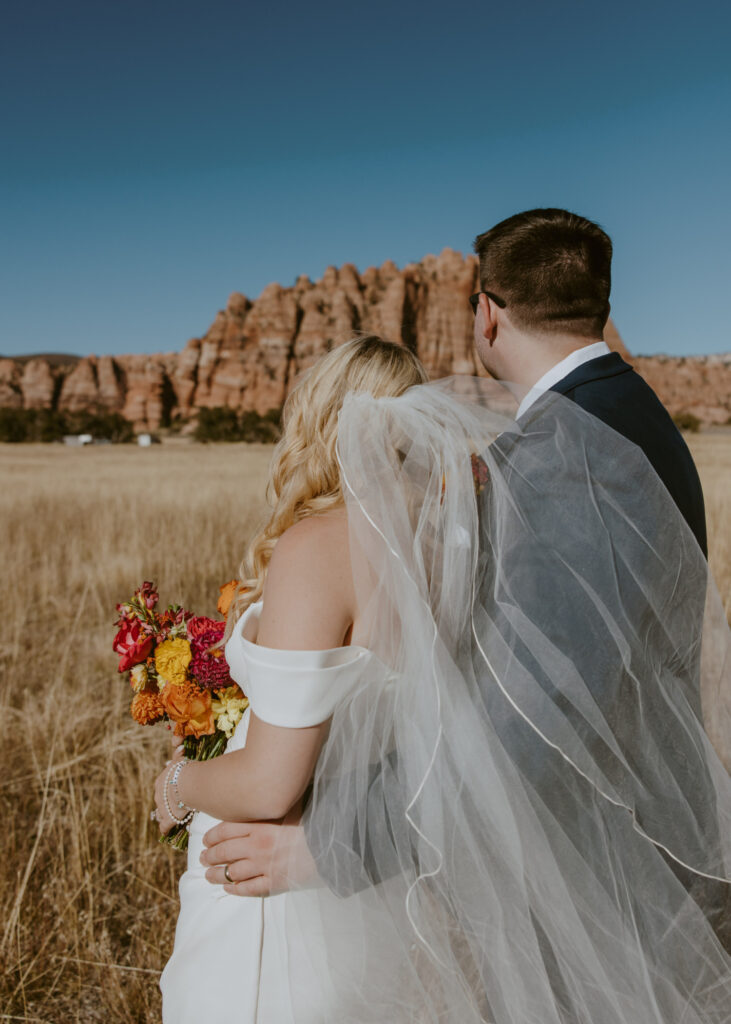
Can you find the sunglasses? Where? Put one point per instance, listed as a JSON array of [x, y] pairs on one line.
[[474, 299]]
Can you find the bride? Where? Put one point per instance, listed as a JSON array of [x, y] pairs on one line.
[[296, 655], [474, 652]]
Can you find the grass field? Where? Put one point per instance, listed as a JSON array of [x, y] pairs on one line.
[[712, 454], [89, 898]]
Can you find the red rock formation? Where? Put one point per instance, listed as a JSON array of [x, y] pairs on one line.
[[11, 396], [253, 351], [37, 384], [80, 388], [700, 385], [147, 382]]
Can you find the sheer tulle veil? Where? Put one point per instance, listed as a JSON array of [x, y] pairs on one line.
[[518, 816]]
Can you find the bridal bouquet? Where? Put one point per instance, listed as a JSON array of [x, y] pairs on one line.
[[179, 674]]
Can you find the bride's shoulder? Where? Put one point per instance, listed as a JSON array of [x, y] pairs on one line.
[[310, 540]]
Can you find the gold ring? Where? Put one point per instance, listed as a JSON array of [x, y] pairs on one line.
[[228, 875]]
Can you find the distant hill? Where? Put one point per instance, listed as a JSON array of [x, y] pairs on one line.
[[52, 358], [254, 349]]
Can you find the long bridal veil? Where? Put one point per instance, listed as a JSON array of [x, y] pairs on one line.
[[518, 816]]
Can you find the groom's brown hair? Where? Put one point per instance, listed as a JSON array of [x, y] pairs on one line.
[[552, 268]]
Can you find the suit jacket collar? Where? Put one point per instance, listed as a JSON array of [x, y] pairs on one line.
[[611, 365], [596, 369]]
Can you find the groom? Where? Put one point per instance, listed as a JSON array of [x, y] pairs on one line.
[[539, 318]]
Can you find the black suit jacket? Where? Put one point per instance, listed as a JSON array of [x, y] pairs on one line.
[[610, 389]]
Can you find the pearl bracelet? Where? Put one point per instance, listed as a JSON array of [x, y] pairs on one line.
[[174, 772]]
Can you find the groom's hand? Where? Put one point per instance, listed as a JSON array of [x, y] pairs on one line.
[[264, 858]]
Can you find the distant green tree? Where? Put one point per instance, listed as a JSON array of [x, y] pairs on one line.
[[51, 425], [687, 421], [13, 425], [266, 428], [220, 423], [109, 426]]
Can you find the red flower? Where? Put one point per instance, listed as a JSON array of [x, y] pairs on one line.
[[147, 595], [208, 666], [131, 644], [480, 473], [170, 621], [205, 631]]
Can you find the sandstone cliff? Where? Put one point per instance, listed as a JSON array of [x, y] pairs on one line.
[[254, 349], [700, 385]]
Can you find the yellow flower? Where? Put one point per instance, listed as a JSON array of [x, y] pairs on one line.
[[228, 707], [138, 677], [172, 658]]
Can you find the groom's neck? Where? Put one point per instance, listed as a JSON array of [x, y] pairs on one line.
[[529, 356]]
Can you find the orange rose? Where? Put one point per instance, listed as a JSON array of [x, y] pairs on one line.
[[190, 709], [228, 593]]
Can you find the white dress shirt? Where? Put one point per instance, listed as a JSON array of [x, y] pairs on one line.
[[561, 370]]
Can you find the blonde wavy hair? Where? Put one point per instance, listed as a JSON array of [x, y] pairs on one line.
[[304, 477]]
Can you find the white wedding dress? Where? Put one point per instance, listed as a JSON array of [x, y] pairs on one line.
[[229, 963]]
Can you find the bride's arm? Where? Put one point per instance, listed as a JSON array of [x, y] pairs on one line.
[[308, 605], [258, 783]]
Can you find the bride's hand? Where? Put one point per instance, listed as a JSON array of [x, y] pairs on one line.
[[176, 747], [163, 818]]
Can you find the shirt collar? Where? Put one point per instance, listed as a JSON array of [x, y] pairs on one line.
[[561, 370]]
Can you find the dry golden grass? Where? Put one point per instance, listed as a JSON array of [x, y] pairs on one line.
[[89, 899], [712, 454]]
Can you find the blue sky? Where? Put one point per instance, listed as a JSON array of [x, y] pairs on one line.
[[158, 156]]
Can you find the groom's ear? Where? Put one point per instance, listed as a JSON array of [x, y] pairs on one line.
[[489, 319]]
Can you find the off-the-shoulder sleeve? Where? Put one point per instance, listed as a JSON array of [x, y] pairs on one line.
[[293, 689]]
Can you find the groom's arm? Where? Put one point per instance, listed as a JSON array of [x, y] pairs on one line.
[[262, 858]]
